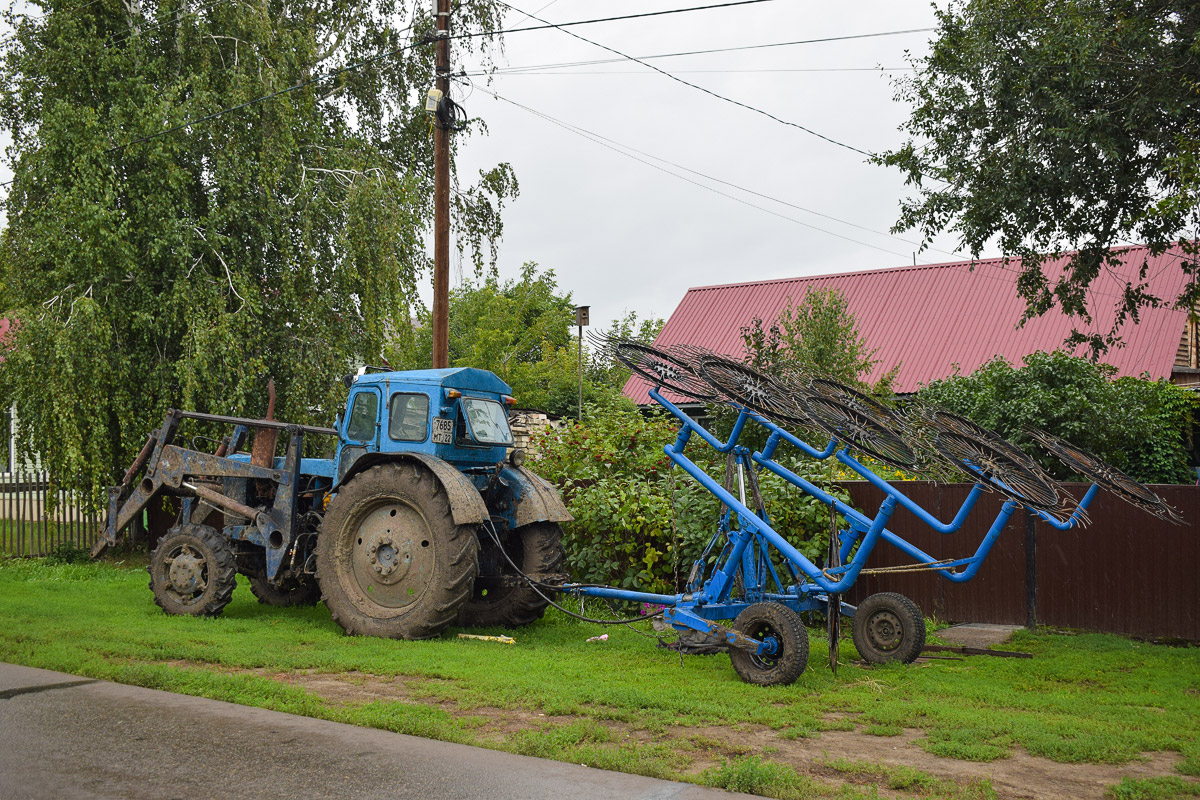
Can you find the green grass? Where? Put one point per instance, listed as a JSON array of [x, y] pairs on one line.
[[1167, 788], [912, 781], [753, 775], [1082, 698]]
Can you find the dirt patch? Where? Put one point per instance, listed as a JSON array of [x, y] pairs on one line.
[[1021, 775], [351, 687]]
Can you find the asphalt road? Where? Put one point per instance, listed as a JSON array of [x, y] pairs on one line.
[[64, 737]]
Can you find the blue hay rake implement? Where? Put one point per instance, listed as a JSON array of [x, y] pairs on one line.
[[760, 581]]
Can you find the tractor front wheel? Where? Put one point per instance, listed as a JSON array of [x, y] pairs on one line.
[[288, 592], [535, 549], [888, 627], [390, 560], [782, 664], [193, 571]]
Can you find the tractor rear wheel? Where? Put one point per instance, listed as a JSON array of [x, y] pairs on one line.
[[390, 560], [192, 571], [536, 549], [888, 627], [783, 665]]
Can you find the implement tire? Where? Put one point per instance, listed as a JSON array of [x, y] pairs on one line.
[[537, 550], [192, 571], [888, 627], [776, 621], [390, 560]]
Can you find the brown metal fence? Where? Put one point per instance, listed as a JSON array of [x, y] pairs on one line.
[[1127, 572], [36, 519]]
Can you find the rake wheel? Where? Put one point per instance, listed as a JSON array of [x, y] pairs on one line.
[[862, 430], [1025, 483], [660, 368], [1106, 475], [965, 427], [691, 354], [848, 395], [751, 389]]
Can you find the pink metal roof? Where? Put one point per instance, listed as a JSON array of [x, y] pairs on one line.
[[929, 319]]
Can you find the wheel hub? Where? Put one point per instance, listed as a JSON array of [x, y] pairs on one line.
[[390, 559], [885, 630], [391, 556], [769, 657], [186, 574]]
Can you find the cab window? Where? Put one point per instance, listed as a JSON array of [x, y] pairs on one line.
[[361, 427], [408, 418], [486, 422]]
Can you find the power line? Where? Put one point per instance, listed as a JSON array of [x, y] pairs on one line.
[[577, 129], [696, 86], [535, 73], [543, 8], [645, 14], [595, 62], [616, 147], [840, 38]]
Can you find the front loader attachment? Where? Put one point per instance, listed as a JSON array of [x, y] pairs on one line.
[[166, 468]]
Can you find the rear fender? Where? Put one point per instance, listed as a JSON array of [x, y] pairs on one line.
[[466, 504]]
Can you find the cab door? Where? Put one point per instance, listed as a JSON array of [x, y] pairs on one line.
[[360, 430]]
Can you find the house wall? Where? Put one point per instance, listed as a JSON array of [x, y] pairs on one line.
[[1186, 371]]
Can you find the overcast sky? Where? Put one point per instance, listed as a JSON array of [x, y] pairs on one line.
[[622, 235]]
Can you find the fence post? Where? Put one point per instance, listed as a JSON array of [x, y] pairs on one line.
[[21, 515], [1030, 570]]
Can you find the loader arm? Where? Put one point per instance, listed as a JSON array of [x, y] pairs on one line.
[[168, 469]]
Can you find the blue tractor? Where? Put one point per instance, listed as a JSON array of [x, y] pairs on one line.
[[425, 515]]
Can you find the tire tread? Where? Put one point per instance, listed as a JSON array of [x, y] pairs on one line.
[[458, 556]]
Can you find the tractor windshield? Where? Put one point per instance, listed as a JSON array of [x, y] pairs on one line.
[[486, 421]]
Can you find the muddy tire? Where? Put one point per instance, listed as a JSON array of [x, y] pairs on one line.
[[390, 560], [889, 627], [535, 548], [192, 571], [771, 620], [289, 592]]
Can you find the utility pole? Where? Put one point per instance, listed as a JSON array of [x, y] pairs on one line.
[[441, 199], [581, 319]]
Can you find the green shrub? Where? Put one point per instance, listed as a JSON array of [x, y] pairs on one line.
[[69, 553], [1140, 426]]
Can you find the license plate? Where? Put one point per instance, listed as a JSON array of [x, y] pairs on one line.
[[443, 431]]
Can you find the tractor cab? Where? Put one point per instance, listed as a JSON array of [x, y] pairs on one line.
[[457, 415]]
